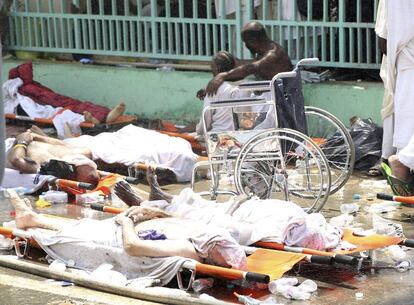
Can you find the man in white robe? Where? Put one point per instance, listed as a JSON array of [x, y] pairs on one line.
[[400, 70]]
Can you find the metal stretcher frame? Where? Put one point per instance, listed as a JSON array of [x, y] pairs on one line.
[[123, 119]]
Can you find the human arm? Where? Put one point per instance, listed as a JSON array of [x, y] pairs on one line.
[[17, 155], [49, 140], [139, 214], [134, 246], [382, 45]]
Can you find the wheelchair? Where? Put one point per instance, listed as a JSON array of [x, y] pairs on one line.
[[279, 148]]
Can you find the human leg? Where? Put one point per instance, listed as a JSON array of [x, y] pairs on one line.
[[399, 170], [115, 113], [156, 192], [27, 218]]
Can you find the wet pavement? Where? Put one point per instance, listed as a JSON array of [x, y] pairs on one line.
[[377, 282]]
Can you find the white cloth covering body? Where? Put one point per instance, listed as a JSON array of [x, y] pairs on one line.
[[256, 220], [12, 98], [86, 244], [221, 119], [132, 144], [400, 67]]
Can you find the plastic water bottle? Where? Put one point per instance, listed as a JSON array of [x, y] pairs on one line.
[[289, 281], [349, 208], [201, 285], [293, 292], [54, 197]]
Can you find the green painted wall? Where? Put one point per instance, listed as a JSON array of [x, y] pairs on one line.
[[171, 94]]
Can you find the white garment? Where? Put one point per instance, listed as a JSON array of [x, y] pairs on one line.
[[221, 119], [12, 98], [230, 6], [132, 144], [400, 61], [87, 244], [255, 219], [406, 155]]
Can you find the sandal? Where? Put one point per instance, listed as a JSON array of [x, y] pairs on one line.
[[398, 186], [375, 171]]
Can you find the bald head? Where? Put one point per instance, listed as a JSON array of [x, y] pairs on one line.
[[254, 31]]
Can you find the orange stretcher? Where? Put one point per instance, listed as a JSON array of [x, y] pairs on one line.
[[25, 239], [316, 256], [122, 119]]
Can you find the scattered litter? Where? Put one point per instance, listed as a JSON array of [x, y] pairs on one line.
[[94, 197], [293, 292], [359, 295], [349, 208], [105, 273], [86, 61], [383, 226], [403, 266], [342, 221], [54, 197], [57, 265], [5, 243], [356, 196], [308, 286], [290, 281], [382, 207], [42, 204], [396, 253]]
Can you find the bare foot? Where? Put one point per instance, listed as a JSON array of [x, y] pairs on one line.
[[115, 113], [67, 131], [125, 192], [156, 193], [399, 170], [37, 130], [24, 213], [90, 118]]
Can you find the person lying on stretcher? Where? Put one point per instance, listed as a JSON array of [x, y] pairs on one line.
[[249, 219], [32, 149], [176, 237]]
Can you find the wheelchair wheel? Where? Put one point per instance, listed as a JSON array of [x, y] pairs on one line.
[[336, 143], [284, 164]]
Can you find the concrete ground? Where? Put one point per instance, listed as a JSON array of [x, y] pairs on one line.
[[378, 282]]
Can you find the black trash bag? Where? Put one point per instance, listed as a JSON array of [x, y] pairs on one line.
[[367, 137]]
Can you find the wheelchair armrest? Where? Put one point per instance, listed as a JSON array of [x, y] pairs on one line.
[[241, 101], [256, 86]]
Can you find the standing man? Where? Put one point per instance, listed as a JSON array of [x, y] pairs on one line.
[[269, 58], [400, 67]]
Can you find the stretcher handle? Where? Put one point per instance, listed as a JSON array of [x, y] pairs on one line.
[[72, 184], [402, 199], [321, 259], [6, 232], [231, 274], [408, 243], [105, 208], [345, 259]]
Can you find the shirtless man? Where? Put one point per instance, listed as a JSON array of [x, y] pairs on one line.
[[183, 238], [31, 149], [270, 59]]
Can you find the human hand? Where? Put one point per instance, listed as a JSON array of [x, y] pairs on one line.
[[26, 136], [123, 219], [201, 94], [213, 85], [125, 192], [139, 214]]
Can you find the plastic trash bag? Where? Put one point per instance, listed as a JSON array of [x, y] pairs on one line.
[[367, 137]]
